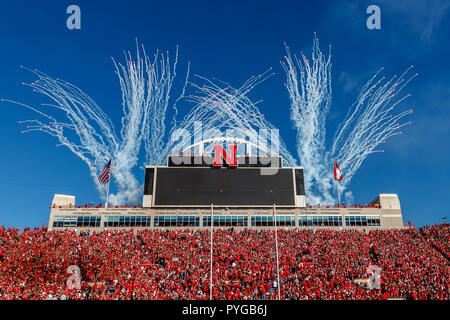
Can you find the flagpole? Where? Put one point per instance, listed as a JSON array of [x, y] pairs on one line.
[[211, 256], [339, 194], [276, 248], [337, 179], [109, 182]]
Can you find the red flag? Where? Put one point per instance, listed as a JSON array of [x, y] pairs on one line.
[[337, 172]]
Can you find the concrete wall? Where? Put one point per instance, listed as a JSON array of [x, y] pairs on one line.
[[63, 200], [390, 217]]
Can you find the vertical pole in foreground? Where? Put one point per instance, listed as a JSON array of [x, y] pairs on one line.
[[211, 256], [276, 249]]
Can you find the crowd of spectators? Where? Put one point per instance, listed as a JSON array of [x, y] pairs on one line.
[[160, 264], [411, 267], [438, 236]]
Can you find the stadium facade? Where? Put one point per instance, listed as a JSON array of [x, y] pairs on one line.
[[238, 192]]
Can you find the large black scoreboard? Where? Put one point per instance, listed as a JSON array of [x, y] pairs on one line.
[[233, 186]]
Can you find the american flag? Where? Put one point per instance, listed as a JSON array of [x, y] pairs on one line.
[[106, 174]]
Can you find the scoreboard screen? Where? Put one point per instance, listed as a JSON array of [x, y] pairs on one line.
[[191, 186]]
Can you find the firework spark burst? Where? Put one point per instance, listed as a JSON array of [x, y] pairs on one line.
[[146, 85], [370, 121], [90, 134]]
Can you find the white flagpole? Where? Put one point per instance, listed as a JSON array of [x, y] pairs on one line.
[[211, 255], [339, 194], [109, 182], [276, 248], [336, 168]]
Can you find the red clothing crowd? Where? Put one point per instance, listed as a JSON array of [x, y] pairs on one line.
[[160, 264], [439, 237]]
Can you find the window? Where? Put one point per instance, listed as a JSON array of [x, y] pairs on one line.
[[127, 221], [76, 221], [177, 221], [268, 221], [362, 221], [317, 221], [286, 221], [93, 221], [65, 221], [115, 221], [373, 221], [226, 221]]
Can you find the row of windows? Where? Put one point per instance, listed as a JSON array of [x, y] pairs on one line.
[[76, 221], [371, 221], [219, 221], [262, 221], [226, 221], [334, 221], [127, 221], [177, 221]]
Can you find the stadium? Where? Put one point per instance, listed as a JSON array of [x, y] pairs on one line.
[[163, 249], [183, 194], [255, 151]]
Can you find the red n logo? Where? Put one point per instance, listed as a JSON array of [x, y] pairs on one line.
[[219, 153]]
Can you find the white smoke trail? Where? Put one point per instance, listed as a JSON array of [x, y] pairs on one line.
[[86, 130], [221, 109], [90, 134], [369, 122], [309, 86], [146, 85]]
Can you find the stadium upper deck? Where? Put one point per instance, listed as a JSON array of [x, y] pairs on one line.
[[242, 194]]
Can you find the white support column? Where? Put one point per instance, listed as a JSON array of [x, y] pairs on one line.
[[276, 248], [211, 255]]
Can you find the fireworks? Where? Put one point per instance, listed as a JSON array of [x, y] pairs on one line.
[[370, 121], [218, 109], [88, 132], [146, 85], [224, 110], [309, 87]]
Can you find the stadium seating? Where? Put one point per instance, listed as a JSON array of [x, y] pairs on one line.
[[156, 264], [439, 237]]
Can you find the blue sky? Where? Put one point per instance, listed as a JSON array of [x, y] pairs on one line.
[[230, 40]]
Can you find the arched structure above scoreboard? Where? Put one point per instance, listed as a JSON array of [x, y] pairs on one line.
[[248, 144]]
